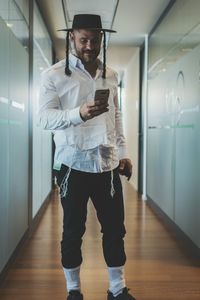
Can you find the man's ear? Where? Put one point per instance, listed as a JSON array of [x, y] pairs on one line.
[[71, 36]]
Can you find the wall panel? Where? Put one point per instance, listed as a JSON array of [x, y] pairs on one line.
[[4, 138], [18, 142], [173, 175], [187, 175], [15, 123], [42, 140], [14, 75]]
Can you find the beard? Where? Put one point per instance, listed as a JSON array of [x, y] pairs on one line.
[[86, 56]]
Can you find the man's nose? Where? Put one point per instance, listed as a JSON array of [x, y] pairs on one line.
[[90, 45]]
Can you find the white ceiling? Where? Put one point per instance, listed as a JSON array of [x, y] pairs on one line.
[[132, 19], [104, 8], [135, 18]]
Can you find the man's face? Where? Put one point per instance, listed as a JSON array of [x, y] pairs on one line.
[[87, 44]]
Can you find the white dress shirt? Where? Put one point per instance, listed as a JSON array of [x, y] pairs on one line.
[[96, 145]]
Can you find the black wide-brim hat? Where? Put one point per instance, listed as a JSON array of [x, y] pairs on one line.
[[87, 21]]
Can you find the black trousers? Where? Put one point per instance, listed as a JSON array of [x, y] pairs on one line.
[[105, 191]]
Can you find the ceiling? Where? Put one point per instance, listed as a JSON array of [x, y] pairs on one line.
[[132, 19]]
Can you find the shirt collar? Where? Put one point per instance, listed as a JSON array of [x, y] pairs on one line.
[[74, 60]]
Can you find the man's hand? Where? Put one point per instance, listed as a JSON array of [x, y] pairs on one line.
[[92, 109], [125, 167]]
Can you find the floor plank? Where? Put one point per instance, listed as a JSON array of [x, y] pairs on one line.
[[157, 268]]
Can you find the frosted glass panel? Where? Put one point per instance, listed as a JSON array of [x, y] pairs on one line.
[[174, 116], [14, 77], [4, 137], [18, 143], [42, 141], [187, 147], [160, 184]]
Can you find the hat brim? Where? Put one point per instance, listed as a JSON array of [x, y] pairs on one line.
[[97, 29]]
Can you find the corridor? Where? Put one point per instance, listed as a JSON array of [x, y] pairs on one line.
[[156, 269]]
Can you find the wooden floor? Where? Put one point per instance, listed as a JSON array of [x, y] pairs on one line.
[[156, 268]]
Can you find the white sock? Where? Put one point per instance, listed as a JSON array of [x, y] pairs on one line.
[[72, 277], [117, 280]]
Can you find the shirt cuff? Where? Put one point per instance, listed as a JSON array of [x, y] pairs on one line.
[[122, 153], [74, 116]]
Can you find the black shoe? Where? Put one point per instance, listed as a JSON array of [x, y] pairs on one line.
[[75, 295], [123, 296]]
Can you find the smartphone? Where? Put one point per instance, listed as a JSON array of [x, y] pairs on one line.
[[102, 95]]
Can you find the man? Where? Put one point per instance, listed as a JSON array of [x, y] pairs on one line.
[[90, 149]]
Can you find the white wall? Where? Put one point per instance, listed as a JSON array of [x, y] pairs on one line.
[[130, 110]]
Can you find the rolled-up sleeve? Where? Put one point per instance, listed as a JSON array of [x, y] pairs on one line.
[[51, 115], [120, 138]]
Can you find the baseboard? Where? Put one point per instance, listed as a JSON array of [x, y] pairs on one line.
[[185, 243], [25, 237]]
